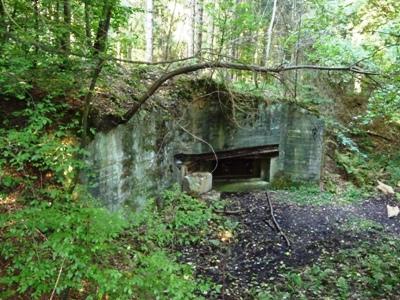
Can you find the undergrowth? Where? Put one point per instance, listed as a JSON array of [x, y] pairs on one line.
[[365, 272], [89, 252]]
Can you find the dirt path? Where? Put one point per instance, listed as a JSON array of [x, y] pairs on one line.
[[257, 251]]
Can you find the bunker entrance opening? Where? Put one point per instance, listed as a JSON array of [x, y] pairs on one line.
[[231, 165]]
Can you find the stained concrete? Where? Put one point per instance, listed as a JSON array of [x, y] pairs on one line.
[[136, 160]]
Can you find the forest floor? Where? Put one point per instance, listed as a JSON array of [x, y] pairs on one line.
[[256, 254]]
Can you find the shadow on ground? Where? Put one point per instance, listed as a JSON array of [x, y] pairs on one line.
[[257, 251]]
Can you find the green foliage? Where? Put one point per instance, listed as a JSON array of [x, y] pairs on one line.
[[359, 169], [100, 253], [385, 102], [365, 171], [366, 272], [77, 239], [35, 146], [157, 277], [179, 220], [393, 168]]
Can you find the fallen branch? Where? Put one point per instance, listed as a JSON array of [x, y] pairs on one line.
[[58, 279], [271, 210], [233, 66]]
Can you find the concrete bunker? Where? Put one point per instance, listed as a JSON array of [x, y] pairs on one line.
[[141, 158]]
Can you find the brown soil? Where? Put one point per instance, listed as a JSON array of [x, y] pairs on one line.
[[258, 251]]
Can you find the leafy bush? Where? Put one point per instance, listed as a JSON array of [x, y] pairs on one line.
[[360, 170], [34, 146], [77, 241], [96, 253], [393, 168], [179, 219]]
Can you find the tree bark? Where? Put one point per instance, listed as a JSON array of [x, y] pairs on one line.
[[269, 33], [88, 29], [210, 33], [296, 75], [66, 40], [36, 27], [3, 27], [192, 17], [199, 27], [100, 47], [103, 27], [149, 30], [168, 39]]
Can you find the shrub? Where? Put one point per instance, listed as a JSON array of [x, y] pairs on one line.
[[92, 253]]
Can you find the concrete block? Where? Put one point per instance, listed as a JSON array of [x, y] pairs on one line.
[[197, 183]]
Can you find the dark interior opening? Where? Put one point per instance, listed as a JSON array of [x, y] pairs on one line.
[[232, 165], [240, 168]]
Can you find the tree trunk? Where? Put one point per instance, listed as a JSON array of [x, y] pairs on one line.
[[269, 33], [296, 75], [100, 47], [3, 27], [149, 30], [88, 29], [66, 41], [210, 33], [192, 17], [102, 30], [199, 27], [168, 39], [36, 13]]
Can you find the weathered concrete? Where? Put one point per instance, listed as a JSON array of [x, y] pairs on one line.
[[136, 160], [197, 183]]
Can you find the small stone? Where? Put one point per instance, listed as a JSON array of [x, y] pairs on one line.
[[392, 211]]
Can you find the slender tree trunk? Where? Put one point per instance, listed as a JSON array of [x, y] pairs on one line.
[[296, 74], [100, 48], [88, 29], [192, 18], [3, 26], [57, 40], [210, 33], [168, 39], [36, 14], [149, 30], [199, 27], [269, 33], [66, 41]]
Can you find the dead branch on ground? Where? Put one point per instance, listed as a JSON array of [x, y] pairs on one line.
[[278, 228]]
